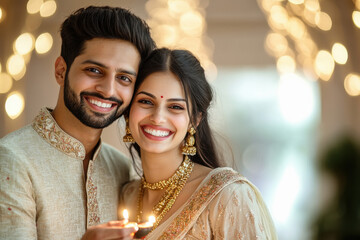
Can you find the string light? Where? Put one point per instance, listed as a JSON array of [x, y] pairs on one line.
[[14, 104], [293, 22], [181, 24], [23, 47]]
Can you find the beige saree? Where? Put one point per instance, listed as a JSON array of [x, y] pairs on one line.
[[224, 206]]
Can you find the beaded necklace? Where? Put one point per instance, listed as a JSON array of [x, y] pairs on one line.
[[173, 186]]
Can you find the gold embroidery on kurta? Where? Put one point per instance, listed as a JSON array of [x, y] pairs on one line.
[[45, 125], [93, 207]]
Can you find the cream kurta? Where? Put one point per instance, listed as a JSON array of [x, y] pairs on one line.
[[224, 206], [43, 193]]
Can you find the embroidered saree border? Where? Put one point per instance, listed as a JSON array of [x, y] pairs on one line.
[[199, 201]]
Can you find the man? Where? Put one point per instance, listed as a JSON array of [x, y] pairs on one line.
[[57, 177]]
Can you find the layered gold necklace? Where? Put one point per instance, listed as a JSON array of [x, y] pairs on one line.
[[173, 186]]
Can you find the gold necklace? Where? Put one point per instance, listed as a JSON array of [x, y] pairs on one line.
[[173, 188], [167, 182]]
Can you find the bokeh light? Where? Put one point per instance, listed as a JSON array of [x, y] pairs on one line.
[[276, 44], [323, 21], [352, 84], [339, 53], [286, 64], [24, 43], [16, 65], [48, 8], [324, 65], [43, 43], [192, 23], [14, 104], [33, 6], [356, 18], [6, 82]]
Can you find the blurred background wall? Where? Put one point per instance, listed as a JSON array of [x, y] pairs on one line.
[[285, 75]]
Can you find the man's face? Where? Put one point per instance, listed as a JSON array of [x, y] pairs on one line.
[[100, 82]]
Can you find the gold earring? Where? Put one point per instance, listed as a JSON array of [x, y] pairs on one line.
[[189, 148], [128, 138]]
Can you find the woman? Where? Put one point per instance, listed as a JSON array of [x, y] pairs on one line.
[[183, 185]]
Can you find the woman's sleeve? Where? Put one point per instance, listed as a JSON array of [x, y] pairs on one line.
[[239, 212]]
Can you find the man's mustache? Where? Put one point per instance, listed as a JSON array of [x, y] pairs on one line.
[[98, 95]]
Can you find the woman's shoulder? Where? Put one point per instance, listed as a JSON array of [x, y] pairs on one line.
[[231, 183]]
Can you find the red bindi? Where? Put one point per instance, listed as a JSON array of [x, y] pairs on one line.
[[162, 96]]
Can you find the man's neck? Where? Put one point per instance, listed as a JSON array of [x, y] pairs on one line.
[[88, 136]]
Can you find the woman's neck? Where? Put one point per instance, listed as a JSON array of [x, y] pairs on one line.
[[159, 167]]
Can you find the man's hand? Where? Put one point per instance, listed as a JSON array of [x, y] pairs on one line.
[[110, 230]]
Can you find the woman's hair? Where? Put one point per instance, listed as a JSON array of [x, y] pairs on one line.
[[103, 22], [198, 93]]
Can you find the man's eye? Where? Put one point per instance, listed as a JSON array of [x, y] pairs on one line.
[[93, 70], [124, 78]]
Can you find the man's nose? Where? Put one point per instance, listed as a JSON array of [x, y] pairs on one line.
[[106, 86]]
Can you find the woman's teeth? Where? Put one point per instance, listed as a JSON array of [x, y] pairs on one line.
[[157, 133]]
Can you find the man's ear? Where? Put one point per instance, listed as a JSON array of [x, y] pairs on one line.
[[60, 70]]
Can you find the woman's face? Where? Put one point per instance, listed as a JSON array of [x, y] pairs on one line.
[[158, 116]]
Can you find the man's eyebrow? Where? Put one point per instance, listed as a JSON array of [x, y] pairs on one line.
[[168, 100], [119, 70]]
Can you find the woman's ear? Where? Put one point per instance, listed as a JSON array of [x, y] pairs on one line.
[[198, 119], [60, 70]]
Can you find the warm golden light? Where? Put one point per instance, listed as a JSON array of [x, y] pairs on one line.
[[339, 53], [14, 104], [312, 5], [352, 84], [192, 23], [43, 43], [324, 65], [286, 64], [0, 67], [6, 82], [1, 14], [165, 35], [15, 65], [278, 17], [296, 28], [24, 43], [178, 6], [356, 18], [152, 219], [33, 6], [323, 21], [276, 44], [125, 214], [296, 1], [48, 8]]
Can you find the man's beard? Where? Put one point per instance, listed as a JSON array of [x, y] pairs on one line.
[[78, 108]]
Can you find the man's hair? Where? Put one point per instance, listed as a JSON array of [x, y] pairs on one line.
[[103, 22]]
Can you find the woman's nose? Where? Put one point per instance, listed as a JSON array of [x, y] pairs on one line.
[[158, 116]]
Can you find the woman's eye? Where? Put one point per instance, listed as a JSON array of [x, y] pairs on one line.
[[177, 107], [144, 101]]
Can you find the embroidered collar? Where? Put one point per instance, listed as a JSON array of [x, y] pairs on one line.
[[46, 126]]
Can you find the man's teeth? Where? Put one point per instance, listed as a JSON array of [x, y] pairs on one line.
[[100, 104], [157, 133]]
